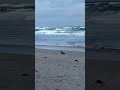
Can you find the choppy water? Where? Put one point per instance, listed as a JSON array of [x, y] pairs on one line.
[[60, 36]]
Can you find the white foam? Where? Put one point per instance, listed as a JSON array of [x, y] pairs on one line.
[[60, 31], [81, 33]]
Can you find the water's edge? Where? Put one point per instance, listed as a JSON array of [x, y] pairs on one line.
[[65, 48]]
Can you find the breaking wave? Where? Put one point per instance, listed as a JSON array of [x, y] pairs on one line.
[[74, 30]]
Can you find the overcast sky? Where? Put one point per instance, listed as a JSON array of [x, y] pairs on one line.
[[59, 12]]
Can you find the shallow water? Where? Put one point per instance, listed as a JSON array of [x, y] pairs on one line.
[[79, 49]]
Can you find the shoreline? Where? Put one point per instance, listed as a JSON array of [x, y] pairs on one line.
[[65, 48]]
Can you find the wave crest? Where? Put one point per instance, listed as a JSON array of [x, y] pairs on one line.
[[76, 30]]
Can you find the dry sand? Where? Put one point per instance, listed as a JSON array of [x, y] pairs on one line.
[[56, 71]]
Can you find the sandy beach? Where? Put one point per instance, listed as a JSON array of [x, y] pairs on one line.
[[103, 53], [17, 71], [102, 75], [59, 71]]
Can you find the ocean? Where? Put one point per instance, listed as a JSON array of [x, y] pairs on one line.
[[60, 37]]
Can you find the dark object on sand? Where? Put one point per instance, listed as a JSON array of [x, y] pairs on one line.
[[25, 75], [57, 89], [102, 47], [45, 57], [99, 82], [36, 71], [62, 52], [76, 60], [3, 9]]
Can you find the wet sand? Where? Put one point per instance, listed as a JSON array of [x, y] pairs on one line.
[[17, 72], [102, 75]]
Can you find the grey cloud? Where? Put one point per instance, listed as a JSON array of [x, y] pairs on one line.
[[56, 11]]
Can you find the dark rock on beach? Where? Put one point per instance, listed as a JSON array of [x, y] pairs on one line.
[[25, 75], [62, 52], [99, 82]]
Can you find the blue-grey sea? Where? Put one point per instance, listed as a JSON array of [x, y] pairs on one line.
[[54, 37]]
